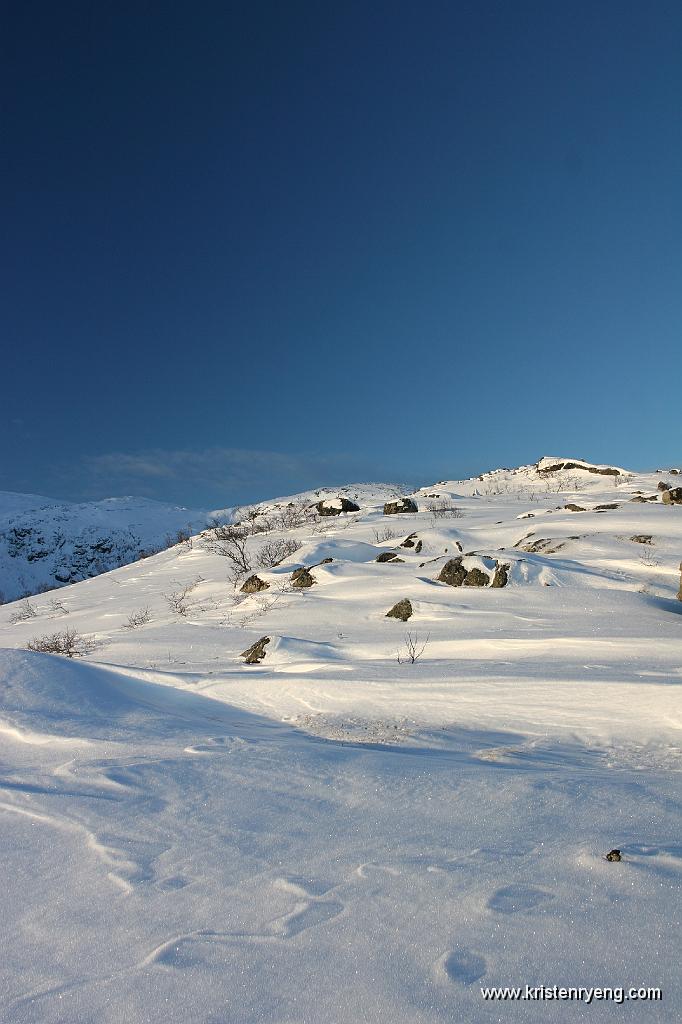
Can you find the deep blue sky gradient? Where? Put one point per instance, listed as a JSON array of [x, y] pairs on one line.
[[249, 248]]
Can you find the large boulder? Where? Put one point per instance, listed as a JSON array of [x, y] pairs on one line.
[[254, 585], [335, 506], [402, 610], [302, 578], [400, 505], [672, 496], [453, 573], [256, 652]]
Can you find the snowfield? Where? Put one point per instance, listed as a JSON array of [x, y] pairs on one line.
[[337, 834]]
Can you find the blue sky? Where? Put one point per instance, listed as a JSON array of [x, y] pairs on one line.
[[249, 248]]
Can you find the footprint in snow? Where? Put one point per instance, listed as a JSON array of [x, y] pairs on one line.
[[462, 966], [513, 899]]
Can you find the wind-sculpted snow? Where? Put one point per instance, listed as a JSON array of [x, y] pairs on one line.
[[339, 833]]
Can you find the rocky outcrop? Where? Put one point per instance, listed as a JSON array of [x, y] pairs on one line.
[[412, 541], [402, 610], [453, 573], [335, 506], [254, 585], [401, 505], [558, 467], [256, 652]]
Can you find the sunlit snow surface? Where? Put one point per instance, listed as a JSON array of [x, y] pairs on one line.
[[336, 837]]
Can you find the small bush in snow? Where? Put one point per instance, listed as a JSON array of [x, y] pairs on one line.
[[58, 607], [275, 551], [140, 617], [177, 599], [444, 510], [23, 613], [231, 542], [381, 536], [413, 648], [68, 643]]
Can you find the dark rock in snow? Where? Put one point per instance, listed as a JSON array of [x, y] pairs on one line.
[[453, 573], [402, 610], [614, 855], [642, 538], [302, 578], [256, 652], [572, 507], [672, 497], [387, 556], [392, 508], [501, 577], [476, 578], [254, 585]]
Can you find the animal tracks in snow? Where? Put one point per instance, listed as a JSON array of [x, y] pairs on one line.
[[513, 899], [462, 966]]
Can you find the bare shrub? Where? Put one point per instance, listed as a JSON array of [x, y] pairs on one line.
[[68, 643], [387, 533], [183, 537], [58, 607], [275, 551], [140, 617], [177, 599], [23, 613], [413, 648], [444, 510], [231, 542]]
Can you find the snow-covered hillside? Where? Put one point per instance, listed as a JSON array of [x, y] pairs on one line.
[[343, 832]]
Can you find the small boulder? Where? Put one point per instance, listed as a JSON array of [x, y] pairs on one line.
[[614, 855], [409, 541], [335, 506], [402, 610], [254, 585], [393, 508], [572, 507], [606, 508], [501, 577], [663, 486], [387, 556], [256, 652], [302, 579], [642, 538]]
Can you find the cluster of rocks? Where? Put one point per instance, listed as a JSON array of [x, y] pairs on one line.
[[399, 506], [412, 541], [456, 574]]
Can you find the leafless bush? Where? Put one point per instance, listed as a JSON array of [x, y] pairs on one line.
[[231, 542], [140, 617], [444, 510], [275, 551], [68, 643], [381, 536], [23, 613], [294, 515], [177, 599], [413, 648], [58, 607]]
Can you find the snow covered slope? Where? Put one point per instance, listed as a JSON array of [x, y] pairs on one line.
[[340, 834]]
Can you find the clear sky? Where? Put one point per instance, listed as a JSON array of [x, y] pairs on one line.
[[253, 247]]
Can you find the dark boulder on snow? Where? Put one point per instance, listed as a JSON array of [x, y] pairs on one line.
[[663, 485], [402, 610], [387, 556], [453, 573], [412, 542], [673, 496], [256, 652], [501, 577], [476, 578], [302, 578], [393, 508], [572, 507], [254, 585], [614, 855], [335, 506]]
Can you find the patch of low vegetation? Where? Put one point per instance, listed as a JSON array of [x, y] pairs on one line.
[[67, 642]]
